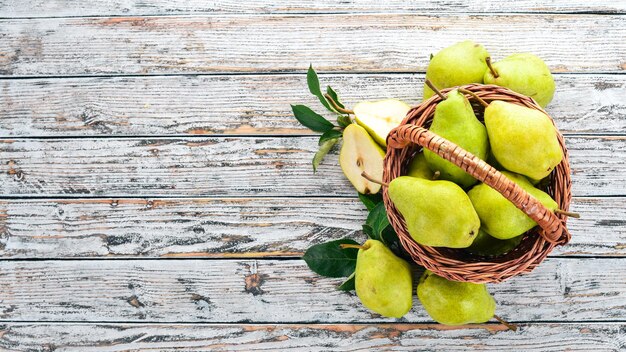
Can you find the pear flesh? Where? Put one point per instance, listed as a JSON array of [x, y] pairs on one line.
[[526, 74], [523, 140], [419, 168], [499, 217], [455, 303], [456, 65], [359, 153], [455, 121], [437, 213], [383, 282], [380, 117]]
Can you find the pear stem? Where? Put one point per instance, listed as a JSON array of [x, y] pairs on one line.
[[336, 106], [475, 96], [349, 245], [567, 213], [510, 326], [493, 70], [436, 175], [435, 89], [371, 179]]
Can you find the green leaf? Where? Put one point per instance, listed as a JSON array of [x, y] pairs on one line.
[[370, 200], [330, 134], [348, 284], [321, 153], [314, 88], [328, 259], [369, 231], [330, 91], [311, 119], [390, 239], [377, 220], [344, 121]]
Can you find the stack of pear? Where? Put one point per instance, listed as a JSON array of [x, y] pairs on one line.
[[383, 282], [456, 65], [499, 217], [437, 213], [455, 121], [455, 303]]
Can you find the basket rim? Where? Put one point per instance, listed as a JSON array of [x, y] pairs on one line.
[[462, 266]]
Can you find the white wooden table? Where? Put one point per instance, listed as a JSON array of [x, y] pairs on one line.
[[156, 192]]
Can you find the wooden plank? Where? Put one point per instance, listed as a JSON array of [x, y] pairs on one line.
[[227, 228], [39, 8], [229, 167], [279, 43], [581, 337], [275, 291], [235, 105]]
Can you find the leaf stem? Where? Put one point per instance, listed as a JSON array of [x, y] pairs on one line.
[[336, 106], [491, 68], [567, 213], [475, 96], [371, 179], [510, 326], [435, 89]]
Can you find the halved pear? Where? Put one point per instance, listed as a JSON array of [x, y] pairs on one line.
[[359, 153], [380, 117]]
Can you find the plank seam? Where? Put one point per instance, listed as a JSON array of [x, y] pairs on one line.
[[328, 13]]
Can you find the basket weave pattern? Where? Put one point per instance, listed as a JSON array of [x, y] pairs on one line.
[[457, 264]]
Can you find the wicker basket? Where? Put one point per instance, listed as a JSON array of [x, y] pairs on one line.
[[457, 264]]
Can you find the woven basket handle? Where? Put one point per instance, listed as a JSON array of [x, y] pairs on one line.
[[552, 226]]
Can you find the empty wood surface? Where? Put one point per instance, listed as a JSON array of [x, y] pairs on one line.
[[279, 43], [42, 8], [233, 228], [275, 291], [575, 337], [250, 104], [234, 166]]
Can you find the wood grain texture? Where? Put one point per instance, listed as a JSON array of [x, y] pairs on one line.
[[42, 8], [578, 337], [236, 105], [274, 291], [227, 228], [233, 166], [279, 43]]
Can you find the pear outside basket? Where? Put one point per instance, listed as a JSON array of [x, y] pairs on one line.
[[457, 264]]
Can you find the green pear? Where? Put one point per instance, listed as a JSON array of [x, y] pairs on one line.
[[419, 168], [455, 303], [487, 245], [524, 73], [359, 153], [499, 217], [523, 140], [455, 121], [380, 117], [437, 213], [456, 65], [383, 282]]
